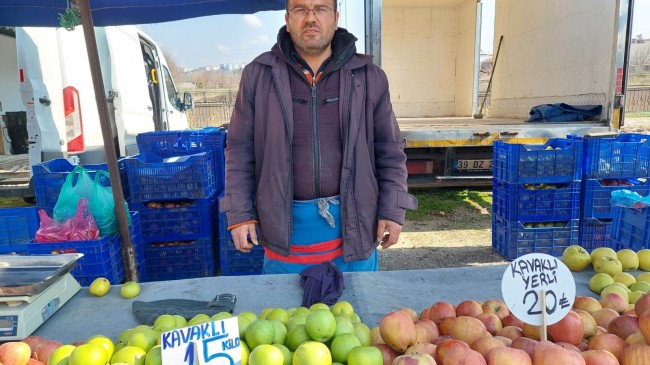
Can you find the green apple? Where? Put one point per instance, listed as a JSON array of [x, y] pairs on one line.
[[634, 296], [365, 355], [642, 286], [88, 354], [644, 259], [628, 258], [602, 251], [60, 355], [130, 289], [643, 277], [576, 258], [99, 287], [607, 265], [625, 278], [131, 355], [599, 282]]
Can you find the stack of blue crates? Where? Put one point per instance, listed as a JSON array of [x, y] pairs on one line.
[[174, 183], [536, 196], [610, 164], [234, 262]]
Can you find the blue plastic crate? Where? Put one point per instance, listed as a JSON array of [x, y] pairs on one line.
[[557, 161], [512, 239], [179, 260], [17, 227], [102, 258], [181, 143], [153, 178], [183, 220], [625, 156], [50, 176], [536, 203], [138, 246], [597, 194], [236, 263], [595, 233], [631, 228]]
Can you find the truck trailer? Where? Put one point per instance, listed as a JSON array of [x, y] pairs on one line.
[[552, 51]]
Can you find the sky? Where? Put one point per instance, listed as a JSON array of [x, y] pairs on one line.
[[213, 40]]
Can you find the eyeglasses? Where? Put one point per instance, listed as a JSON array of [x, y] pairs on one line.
[[319, 12]]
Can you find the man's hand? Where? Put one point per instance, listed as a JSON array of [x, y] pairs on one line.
[[388, 239], [240, 237]]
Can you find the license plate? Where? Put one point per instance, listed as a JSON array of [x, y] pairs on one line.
[[473, 164]]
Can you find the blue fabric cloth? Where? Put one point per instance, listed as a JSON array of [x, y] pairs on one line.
[[310, 227], [563, 112]]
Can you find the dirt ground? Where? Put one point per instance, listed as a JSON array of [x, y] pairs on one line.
[[461, 238]]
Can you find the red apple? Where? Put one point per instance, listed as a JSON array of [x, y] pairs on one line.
[[635, 339], [425, 313], [491, 321], [397, 330], [445, 326], [512, 320], [623, 326], [644, 325], [507, 356], [387, 353], [511, 332], [440, 311], [548, 353], [636, 355], [526, 344], [467, 329], [609, 342], [614, 301], [485, 344], [15, 353], [568, 346], [589, 304], [589, 325], [33, 341], [531, 331], [421, 348], [411, 313], [604, 316], [430, 327], [35, 362], [418, 359], [497, 307], [458, 356], [446, 345], [422, 334], [600, 330], [642, 304], [599, 357], [568, 329], [506, 341], [45, 349], [468, 308]]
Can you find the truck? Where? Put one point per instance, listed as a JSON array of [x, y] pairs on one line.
[[47, 94], [553, 51]]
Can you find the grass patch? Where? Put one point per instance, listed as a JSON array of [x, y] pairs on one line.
[[432, 201]]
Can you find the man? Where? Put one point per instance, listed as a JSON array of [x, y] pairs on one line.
[[315, 163]]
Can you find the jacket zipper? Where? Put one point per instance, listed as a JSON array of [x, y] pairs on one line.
[[316, 147]]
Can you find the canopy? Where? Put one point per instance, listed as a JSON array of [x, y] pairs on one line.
[[23, 13]]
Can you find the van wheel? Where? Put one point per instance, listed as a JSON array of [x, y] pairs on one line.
[[29, 199]]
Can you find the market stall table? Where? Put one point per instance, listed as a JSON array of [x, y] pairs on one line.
[[371, 294]]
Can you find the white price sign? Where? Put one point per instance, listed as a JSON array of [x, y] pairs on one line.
[[527, 277], [213, 343]]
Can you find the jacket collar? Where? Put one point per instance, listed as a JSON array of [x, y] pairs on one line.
[[343, 51]]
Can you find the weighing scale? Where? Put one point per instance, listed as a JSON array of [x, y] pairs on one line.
[[32, 289]]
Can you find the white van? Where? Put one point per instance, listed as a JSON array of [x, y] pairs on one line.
[[45, 73]]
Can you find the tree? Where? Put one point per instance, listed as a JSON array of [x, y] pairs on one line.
[[639, 56], [172, 63]]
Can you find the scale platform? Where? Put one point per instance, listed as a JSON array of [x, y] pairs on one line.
[[32, 289]]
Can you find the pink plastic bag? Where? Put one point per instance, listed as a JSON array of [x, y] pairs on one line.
[[81, 227]]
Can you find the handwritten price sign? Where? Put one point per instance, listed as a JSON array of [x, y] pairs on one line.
[[213, 343], [527, 277]]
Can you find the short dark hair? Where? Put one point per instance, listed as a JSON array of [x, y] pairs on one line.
[[286, 5]]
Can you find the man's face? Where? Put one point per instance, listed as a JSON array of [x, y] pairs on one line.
[[311, 24]]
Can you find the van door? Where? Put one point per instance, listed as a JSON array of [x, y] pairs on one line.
[[176, 119], [134, 108], [41, 90]]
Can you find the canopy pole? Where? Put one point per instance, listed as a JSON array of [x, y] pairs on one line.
[[109, 148]]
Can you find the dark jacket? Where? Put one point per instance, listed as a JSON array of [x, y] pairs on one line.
[[259, 177]]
